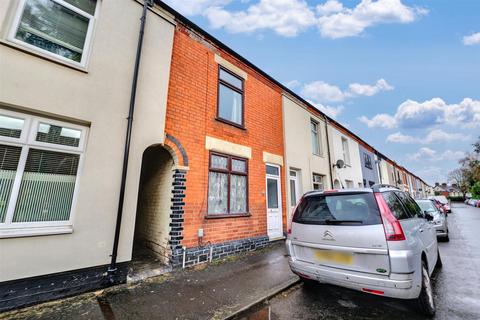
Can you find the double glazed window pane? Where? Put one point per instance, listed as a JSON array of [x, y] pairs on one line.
[[217, 193], [52, 27], [219, 162], [271, 170], [85, 5], [315, 140], [231, 79], [227, 185], [272, 193], [239, 165], [11, 127], [47, 187], [58, 135], [238, 194], [230, 104], [9, 157], [293, 193]]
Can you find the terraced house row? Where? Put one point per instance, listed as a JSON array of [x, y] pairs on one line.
[[127, 131]]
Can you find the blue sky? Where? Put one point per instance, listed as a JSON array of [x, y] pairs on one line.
[[402, 74]]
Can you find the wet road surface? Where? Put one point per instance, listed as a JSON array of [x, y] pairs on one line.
[[456, 286]]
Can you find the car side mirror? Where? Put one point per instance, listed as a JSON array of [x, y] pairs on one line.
[[428, 216]]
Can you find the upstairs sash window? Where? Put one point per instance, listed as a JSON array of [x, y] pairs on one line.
[[230, 98]]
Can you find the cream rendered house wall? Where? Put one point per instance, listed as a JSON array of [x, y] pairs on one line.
[[298, 147], [98, 98], [353, 171]]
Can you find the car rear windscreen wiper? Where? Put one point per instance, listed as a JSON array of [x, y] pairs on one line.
[[330, 221]]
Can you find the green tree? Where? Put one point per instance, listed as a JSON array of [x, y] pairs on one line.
[[475, 190]]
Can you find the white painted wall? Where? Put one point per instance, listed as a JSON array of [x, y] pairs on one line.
[[298, 147], [353, 171], [98, 98]]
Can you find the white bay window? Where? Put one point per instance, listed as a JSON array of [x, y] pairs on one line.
[[40, 160]]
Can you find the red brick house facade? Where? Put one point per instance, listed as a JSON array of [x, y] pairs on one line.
[[200, 128]]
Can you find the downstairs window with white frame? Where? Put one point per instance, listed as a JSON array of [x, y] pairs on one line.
[[40, 161]]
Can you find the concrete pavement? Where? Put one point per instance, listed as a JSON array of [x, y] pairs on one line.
[[456, 286], [216, 292]]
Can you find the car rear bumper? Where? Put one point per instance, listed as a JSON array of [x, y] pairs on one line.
[[441, 230], [404, 287]]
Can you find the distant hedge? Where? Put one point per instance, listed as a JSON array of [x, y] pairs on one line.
[[456, 198]]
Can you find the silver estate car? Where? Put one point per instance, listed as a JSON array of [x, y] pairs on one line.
[[376, 240], [440, 220]]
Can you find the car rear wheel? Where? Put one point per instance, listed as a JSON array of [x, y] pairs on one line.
[[425, 302]]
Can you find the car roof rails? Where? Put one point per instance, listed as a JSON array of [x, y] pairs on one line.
[[378, 186]]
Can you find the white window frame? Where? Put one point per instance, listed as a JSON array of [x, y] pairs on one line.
[[318, 139], [50, 55], [296, 181], [10, 229], [322, 178], [346, 151]]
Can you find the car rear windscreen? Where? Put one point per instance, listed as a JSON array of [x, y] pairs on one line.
[[427, 206], [338, 209]]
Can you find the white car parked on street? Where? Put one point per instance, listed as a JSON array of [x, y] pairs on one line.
[[376, 240], [440, 220]]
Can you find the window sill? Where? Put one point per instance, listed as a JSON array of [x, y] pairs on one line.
[[236, 125], [40, 55], [222, 216], [34, 231]]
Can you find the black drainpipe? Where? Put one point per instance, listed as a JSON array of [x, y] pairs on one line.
[[113, 264], [330, 164]]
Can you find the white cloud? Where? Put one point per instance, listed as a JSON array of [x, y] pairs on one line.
[[399, 137], [330, 111], [324, 92], [290, 17], [472, 39], [422, 154], [413, 114], [194, 7], [427, 154], [337, 21], [380, 121], [285, 17], [434, 135], [369, 90], [450, 155], [329, 7], [438, 135]]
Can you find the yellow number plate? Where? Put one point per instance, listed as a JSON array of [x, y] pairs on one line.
[[333, 256]]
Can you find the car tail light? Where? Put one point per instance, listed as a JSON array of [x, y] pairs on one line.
[[373, 291], [393, 228]]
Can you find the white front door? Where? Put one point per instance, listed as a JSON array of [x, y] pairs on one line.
[[274, 203]]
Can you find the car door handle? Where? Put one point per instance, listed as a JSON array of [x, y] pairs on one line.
[[421, 230]]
